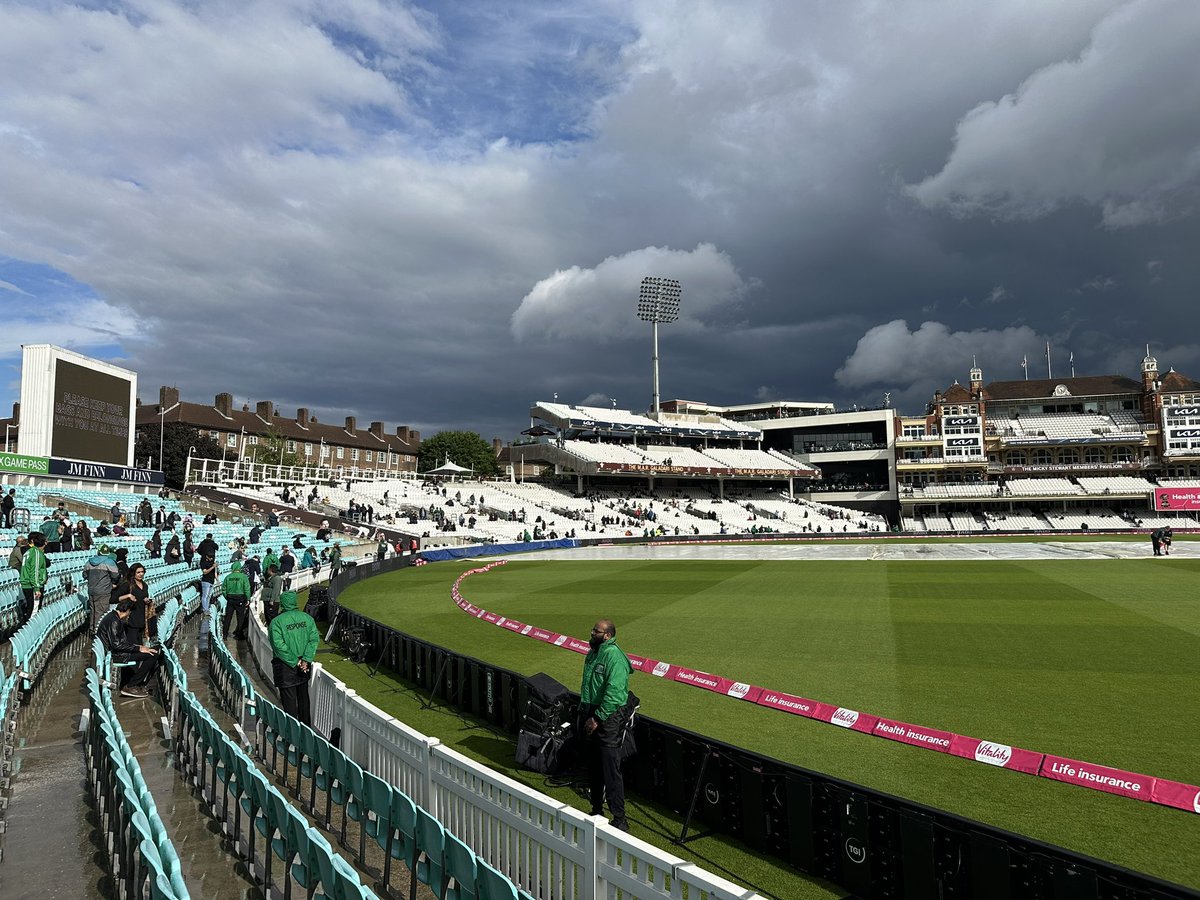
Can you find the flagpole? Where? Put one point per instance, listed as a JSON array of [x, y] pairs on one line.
[[1049, 374]]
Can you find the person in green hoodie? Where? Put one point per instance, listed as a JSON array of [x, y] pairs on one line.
[[602, 699], [236, 589], [294, 644], [34, 572], [270, 559]]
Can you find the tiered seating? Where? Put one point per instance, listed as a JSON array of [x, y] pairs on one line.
[[143, 860], [679, 456], [605, 453], [1115, 484], [384, 814], [1155, 520], [948, 491], [935, 522], [1022, 519], [736, 458], [1069, 426], [1041, 487], [964, 521], [36, 641]]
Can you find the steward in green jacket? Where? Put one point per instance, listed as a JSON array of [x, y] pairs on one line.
[[294, 639], [602, 698], [34, 572], [236, 589]]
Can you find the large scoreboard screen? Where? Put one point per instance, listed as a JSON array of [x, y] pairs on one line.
[[92, 415]]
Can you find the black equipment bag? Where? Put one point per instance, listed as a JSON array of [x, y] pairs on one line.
[[550, 754], [318, 604], [544, 742]]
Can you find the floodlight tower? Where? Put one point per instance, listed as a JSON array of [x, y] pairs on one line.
[[658, 301]]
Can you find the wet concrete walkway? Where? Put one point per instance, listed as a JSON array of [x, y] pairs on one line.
[[51, 847], [48, 843]]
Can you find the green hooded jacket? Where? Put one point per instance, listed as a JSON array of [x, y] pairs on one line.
[[33, 569], [236, 584], [269, 559], [605, 679], [293, 632]]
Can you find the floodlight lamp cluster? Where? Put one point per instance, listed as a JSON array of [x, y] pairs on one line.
[[658, 300]]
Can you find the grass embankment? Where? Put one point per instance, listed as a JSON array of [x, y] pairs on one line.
[[1093, 659]]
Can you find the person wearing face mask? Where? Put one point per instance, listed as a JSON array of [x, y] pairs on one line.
[[602, 699]]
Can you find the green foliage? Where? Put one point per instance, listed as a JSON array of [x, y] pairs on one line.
[[176, 439], [272, 450], [464, 448], [1089, 659]]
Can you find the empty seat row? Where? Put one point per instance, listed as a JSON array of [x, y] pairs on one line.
[[143, 860]]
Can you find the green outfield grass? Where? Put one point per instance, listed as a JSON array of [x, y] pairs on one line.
[[1092, 659]]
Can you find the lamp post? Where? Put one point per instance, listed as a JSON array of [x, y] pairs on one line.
[[7, 429], [162, 425], [187, 469], [658, 301]]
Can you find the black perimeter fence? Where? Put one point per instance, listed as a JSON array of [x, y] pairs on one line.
[[873, 844]]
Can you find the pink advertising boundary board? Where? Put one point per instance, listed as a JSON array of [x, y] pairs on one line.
[[1147, 788]]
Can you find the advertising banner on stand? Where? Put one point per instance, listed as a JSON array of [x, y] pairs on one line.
[[1180, 499]]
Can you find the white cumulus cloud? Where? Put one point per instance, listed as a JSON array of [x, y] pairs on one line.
[[600, 303], [892, 355], [1117, 127]]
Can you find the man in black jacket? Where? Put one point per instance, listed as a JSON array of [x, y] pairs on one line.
[[8, 507], [113, 634]]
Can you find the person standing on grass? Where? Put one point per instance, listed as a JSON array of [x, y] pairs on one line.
[[602, 699], [294, 640]]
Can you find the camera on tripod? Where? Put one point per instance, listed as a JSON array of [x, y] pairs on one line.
[[354, 644]]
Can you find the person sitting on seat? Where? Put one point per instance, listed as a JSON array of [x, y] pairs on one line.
[[114, 635]]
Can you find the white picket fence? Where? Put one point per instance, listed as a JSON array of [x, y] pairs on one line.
[[550, 849]]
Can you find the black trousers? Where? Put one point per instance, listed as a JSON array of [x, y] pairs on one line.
[[293, 692], [138, 675], [604, 770], [236, 606], [26, 603]]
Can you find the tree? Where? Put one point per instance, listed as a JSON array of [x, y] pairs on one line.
[[465, 448], [177, 438], [272, 451]]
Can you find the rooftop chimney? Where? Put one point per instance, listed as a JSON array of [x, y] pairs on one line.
[[497, 446], [16, 412], [224, 404], [167, 396], [302, 417], [350, 424], [377, 429], [264, 409]]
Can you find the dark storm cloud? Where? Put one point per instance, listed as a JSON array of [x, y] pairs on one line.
[[857, 197]]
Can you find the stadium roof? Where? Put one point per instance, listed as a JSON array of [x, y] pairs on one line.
[[1173, 381], [1044, 388], [623, 421]]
